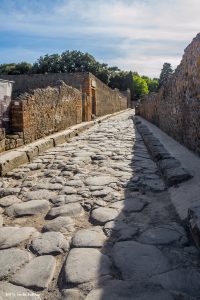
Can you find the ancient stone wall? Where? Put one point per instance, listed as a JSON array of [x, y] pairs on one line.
[[45, 111], [108, 101], [27, 82], [176, 108], [46, 103], [2, 139]]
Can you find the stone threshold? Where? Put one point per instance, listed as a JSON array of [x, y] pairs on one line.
[[14, 158]]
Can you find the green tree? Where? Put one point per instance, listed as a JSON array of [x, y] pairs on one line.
[[165, 74], [152, 84], [15, 69], [140, 87]]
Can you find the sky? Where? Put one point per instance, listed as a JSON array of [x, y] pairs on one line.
[[137, 35]]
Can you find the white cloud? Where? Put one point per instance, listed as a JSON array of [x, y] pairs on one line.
[[144, 34]]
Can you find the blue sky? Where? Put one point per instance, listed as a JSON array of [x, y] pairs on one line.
[[138, 35]]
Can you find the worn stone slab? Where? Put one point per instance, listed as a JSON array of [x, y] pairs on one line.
[[73, 198], [83, 265], [50, 243], [163, 235], [135, 260], [71, 209], [103, 215], [9, 200], [33, 207], [74, 183], [37, 274], [182, 281], [10, 291], [41, 194], [60, 224], [13, 236], [100, 180], [68, 190], [120, 230], [130, 205], [102, 193], [12, 160], [128, 290], [11, 260], [58, 200], [91, 237]]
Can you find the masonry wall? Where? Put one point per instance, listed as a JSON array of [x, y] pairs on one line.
[[46, 103], [176, 108], [45, 111], [108, 101], [2, 139], [27, 82]]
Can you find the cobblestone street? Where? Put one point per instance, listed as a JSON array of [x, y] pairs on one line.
[[92, 219]]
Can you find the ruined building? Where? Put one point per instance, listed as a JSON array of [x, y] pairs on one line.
[[42, 104]]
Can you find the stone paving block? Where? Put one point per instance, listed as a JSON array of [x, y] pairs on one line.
[[29, 208], [11, 260], [50, 243], [163, 235], [130, 205], [37, 274], [13, 236], [135, 260], [102, 215], [100, 180], [92, 237], [61, 224], [71, 209], [41, 194], [9, 200], [83, 265], [183, 281]]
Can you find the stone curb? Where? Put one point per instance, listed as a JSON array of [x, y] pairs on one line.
[[25, 154], [170, 168]]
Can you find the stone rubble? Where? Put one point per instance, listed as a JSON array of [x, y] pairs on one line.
[[92, 219]]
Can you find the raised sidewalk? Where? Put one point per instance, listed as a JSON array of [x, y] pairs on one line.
[[186, 194]]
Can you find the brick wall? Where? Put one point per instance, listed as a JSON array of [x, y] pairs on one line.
[[176, 108], [45, 111]]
